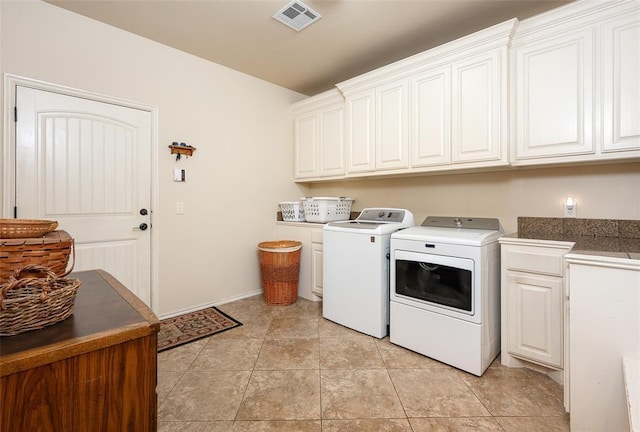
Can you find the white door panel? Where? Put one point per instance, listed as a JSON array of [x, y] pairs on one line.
[[87, 165]]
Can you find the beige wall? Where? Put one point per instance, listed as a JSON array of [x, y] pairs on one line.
[[601, 191], [240, 125]]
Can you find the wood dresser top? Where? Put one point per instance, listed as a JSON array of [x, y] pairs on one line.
[[106, 313]]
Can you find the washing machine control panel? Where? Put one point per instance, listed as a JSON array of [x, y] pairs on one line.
[[382, 215]]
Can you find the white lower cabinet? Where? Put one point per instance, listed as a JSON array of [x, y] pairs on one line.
[[535, 318], [310, 235], [604, 329], [316, 268], [533, 303]]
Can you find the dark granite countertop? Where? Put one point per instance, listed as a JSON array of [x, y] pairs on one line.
[[604, 237]]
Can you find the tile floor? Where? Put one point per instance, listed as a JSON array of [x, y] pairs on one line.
[[287, 369]]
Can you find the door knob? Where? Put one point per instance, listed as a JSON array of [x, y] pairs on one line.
[[143, 212], [143, 226]]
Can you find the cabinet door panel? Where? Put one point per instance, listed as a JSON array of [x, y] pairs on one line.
[[535, 318], [392, 140], [332, 142], [554, 97], [305, 129], [621, 85], [431, 121], [316, 269], [476, 109], [360, 133]]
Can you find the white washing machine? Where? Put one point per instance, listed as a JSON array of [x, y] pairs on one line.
[[356, 269]]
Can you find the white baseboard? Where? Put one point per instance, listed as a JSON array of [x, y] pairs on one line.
[[206, 305]]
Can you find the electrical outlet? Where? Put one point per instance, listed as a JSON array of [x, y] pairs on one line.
[[570, 207], [179, 208]]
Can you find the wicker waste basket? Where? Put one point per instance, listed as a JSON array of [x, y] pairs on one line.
[[279, 269]]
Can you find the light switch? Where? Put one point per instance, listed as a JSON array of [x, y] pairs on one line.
[[179, 175], [179, 207]]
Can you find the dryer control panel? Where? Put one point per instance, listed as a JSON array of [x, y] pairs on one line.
[[382, 215]]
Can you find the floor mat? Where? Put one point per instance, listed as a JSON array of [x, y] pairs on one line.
[[192, 326]]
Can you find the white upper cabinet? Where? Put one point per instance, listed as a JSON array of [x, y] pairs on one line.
[[377, 128], [561, 87], [575, 85], [445, 108], [305, 126], [478, 104], [319, 136], [361, 132], [431, 118], [621, 83], [555, 96], [392, 125]]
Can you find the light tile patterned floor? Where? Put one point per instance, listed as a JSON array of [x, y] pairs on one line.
[[287, 369]]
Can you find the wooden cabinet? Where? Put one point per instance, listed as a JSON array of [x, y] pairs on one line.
[[310, 235], [95, 371], [533, 302], [575, 86], [319, 136]]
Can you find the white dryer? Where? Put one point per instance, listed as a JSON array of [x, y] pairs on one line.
[[356, 269]]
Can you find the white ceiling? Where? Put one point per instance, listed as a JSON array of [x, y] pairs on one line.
[[352, 37]]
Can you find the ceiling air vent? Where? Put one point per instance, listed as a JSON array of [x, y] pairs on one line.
[[297, 15]]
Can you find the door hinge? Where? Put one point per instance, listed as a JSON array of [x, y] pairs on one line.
[[15, 114]]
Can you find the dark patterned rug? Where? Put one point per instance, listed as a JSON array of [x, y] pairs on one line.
[[192, 326]]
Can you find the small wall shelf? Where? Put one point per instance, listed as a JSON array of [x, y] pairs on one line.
[[182, 150]]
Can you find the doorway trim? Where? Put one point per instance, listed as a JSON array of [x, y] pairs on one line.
[[11, 82]]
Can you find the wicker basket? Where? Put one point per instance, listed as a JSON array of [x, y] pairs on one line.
[[52, 251], [25, 228], [279, 269], [31, 303]]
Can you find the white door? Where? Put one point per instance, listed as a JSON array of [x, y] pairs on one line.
[[87, 164]]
